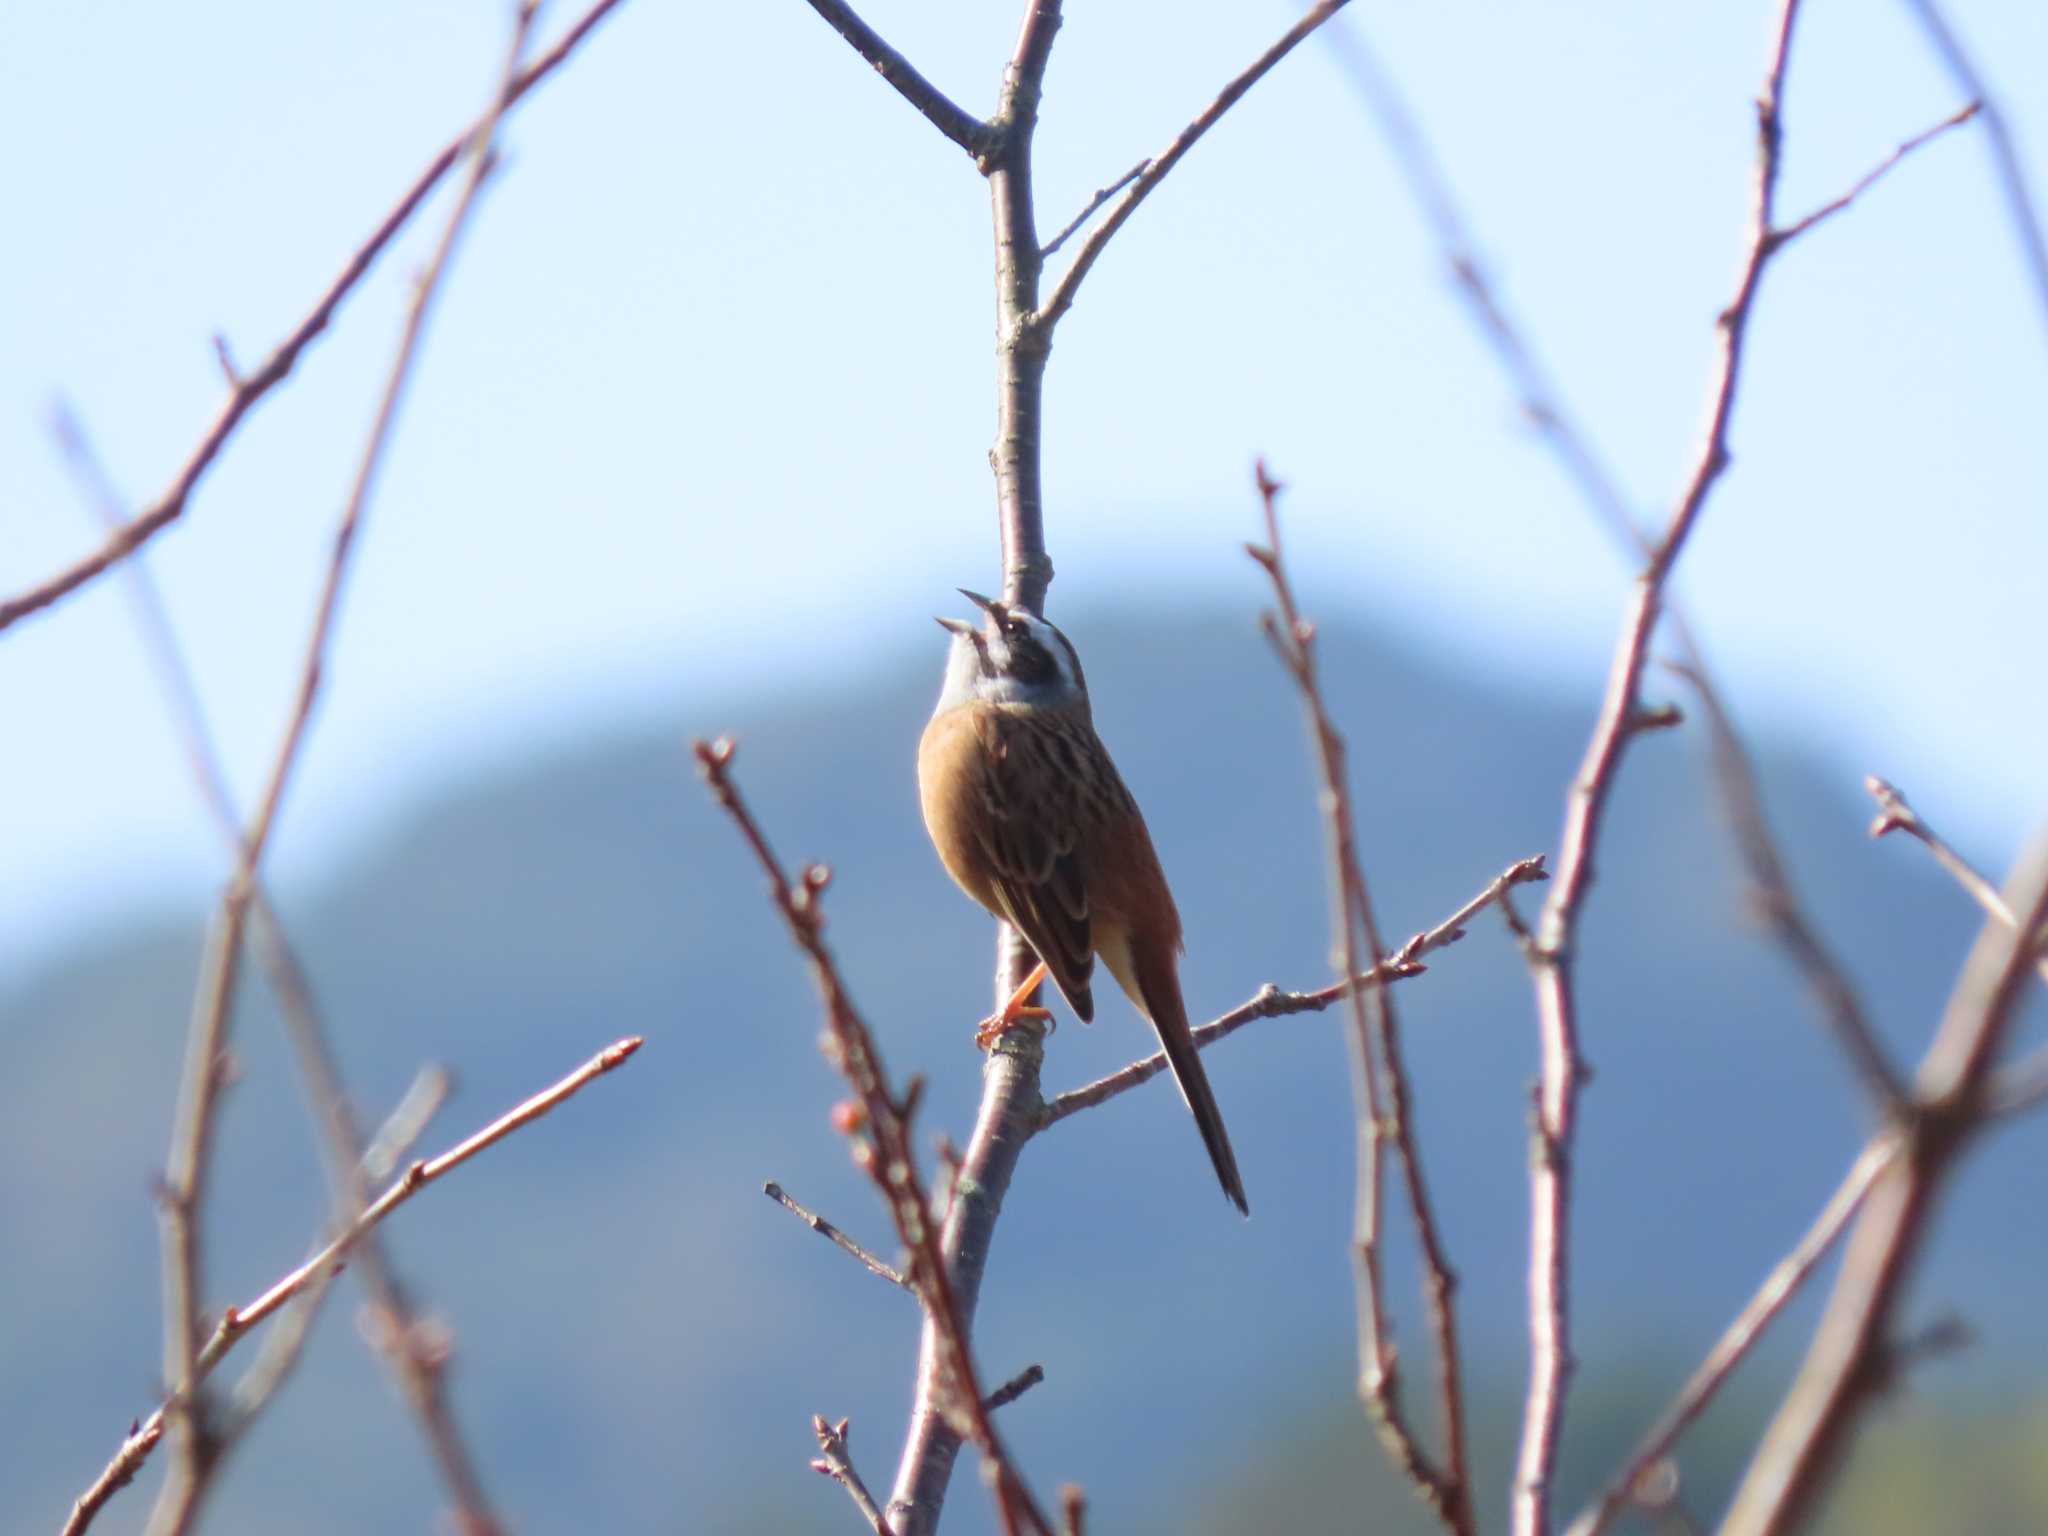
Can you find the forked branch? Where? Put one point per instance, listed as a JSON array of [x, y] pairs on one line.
[[883, 1147], [236, 1322], [245, 390]]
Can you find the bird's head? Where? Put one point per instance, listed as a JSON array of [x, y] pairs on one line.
[[1012, 657]]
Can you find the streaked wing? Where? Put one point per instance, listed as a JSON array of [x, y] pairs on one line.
[[1037, 812]]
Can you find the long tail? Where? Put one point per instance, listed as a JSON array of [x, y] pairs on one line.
[[1170, 1018]]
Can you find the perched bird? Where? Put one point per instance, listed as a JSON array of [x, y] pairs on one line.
[[1032, 820]]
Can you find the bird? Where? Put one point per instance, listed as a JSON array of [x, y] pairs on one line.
[[1032, 820]]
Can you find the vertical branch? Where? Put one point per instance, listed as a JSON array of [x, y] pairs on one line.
[[1380, 1084], [1010, 1098], [1551, 960], [1022, 343]]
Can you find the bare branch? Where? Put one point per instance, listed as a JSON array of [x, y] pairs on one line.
[[192, 1140], [1541, 401], [1734, 1345], [833, 1235], [962, 127], [1102, 195], [1563, 1068], [1156, 168], [2012, 180], [1073, 1510], [1876, 173], [1014, 1388], [1380, 1083], [278, 1355], [246, 391], [1780, 909], [283, 1344], [119, 1473], [1895, 815], [236, 1322], [1845, 1363], [837, 1464], [1269, 1002], [883, 1144]]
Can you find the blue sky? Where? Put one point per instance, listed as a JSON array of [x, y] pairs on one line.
[[712, 379]]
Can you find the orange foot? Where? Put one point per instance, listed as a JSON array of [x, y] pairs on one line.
[[1015, 1010]]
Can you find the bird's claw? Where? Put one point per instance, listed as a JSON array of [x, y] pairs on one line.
[[1015, 1011]]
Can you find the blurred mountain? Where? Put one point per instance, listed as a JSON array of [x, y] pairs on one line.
[[642, 1337]]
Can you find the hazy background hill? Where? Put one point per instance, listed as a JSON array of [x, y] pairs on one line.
[[642, 1337]]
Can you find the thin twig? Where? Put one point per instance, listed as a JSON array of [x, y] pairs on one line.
[[1541, 401], [1073, 1510], [1846, 1362], [1734, 1345], [1380, 1081], [185, 1178], [1102, 195], [836, 1462], [884, 1147], [1563, 1067], [1156, 168], [1269, 1002], [236, 1322], [250, 388], [833, 1235], [2012, 179], [1876, 173], [1779, 906], [278, 1355], [962, 127], [1895, 815], [1014, 1388]]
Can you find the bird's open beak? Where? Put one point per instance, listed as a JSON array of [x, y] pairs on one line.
[[961, 626]]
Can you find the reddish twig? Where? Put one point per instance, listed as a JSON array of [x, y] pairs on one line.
[[1381, 1090], [1557, 1005], [1876, 173], [245, 390], [1895, 815], [1734, 1345], [278, 1355], [236, 1322], [833, 1235], [1847, 1361], [1156, 169], [836, 1462], [1271, 1003], [883, 1144]]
